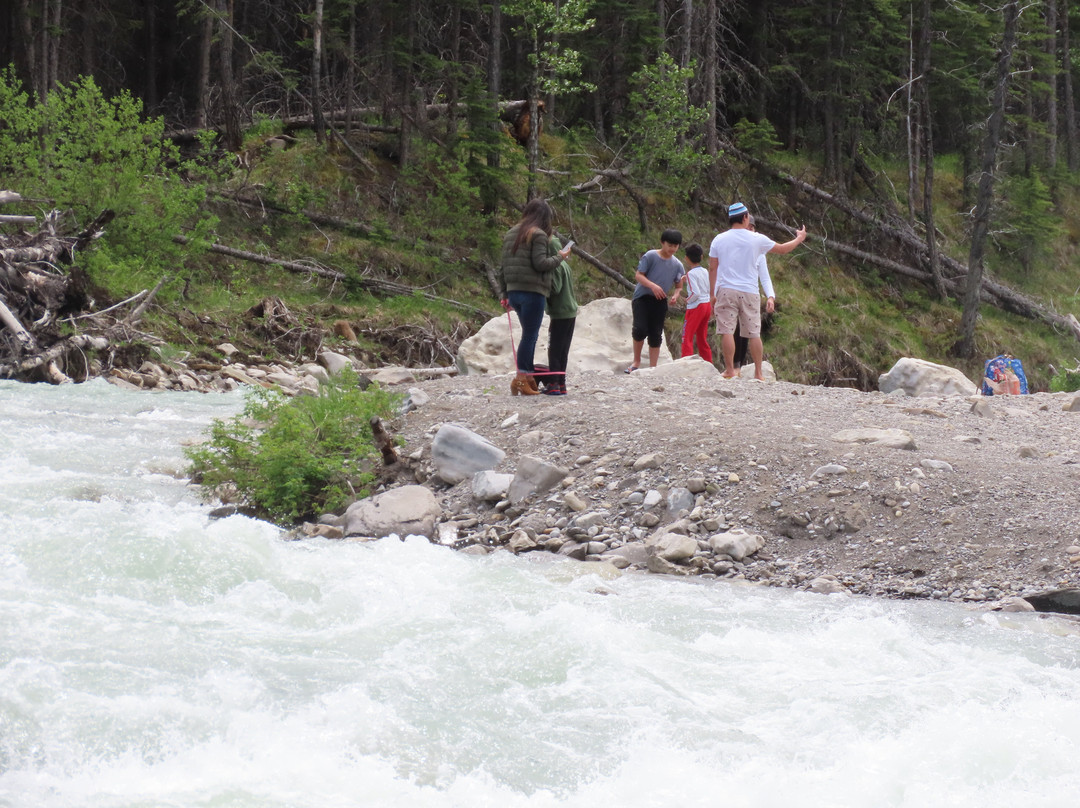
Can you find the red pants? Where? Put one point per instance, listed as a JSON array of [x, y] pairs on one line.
[[697, 327]]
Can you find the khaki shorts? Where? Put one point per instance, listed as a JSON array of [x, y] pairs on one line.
[[741, 307]]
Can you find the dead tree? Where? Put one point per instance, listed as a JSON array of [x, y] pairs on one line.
[[40, 284]]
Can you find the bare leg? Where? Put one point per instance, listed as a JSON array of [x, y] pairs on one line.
[[727, 346], [654, 356], [756, 352], [637, 353]]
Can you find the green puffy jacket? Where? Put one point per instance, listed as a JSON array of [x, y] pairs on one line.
[[529, 269]]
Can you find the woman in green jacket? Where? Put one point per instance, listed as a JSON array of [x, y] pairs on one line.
[[525, 281], [562, 311]]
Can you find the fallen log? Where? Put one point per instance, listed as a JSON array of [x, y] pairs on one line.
[[25, 338], [388, 287], [47, 359]]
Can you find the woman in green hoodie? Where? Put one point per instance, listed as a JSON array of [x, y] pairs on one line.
[[562, 310]]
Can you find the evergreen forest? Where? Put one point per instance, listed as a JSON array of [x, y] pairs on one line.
[[358, 161]]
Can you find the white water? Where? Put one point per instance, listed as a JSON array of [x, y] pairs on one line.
[[152, 657]]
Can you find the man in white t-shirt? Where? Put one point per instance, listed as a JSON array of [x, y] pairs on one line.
[[734, 278]]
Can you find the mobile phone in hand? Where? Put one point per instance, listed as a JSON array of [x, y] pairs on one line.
[[569, 245]]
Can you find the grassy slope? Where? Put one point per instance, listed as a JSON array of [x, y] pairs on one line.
[[839, 322]]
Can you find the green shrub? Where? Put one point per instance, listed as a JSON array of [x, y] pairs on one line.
[[290, 458], [1066, 380], [82, 151]]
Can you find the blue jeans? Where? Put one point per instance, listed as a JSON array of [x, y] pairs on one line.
[[530, 311]]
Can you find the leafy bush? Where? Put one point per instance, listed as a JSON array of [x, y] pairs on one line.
[[292, 458], [756, 139], [659, 124], [81, 151], [1066, 380]]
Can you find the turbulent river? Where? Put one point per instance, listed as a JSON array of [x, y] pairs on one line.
[[153, 657]]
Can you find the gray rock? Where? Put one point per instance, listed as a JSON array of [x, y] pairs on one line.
[[1065, 601], [458, 453], [680, 499], [1073, 405], [935, 465], [390, 376], [590, 519], [405, 511], [673, 547], [522, 542], [317, 372], [652, 460], [334, 362], [652, 499], [490, 486], [534, 476], [892, 438], [416, 399], [574, 550], [736, 543], [634, 552], [826, 585], [1015, 605], [662, 566], [830, 468], [695, 485], [574, 502]]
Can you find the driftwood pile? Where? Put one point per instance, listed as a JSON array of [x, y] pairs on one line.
[[44, 296]]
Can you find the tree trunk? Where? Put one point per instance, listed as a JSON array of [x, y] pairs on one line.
[[406, 99], [316, 72], [534, 119], [350, 70], [454, 90], [712, 141], [29, 42], [54, 33], [88, 36], [150, 56], [912, 111], [1072, 143], [234, 137], [206, 44], [965, 347], [686, 39], [927, 125], [1052, 81]]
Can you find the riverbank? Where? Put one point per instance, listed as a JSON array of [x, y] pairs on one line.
[[979, 506]]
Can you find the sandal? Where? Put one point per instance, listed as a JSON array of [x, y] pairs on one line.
[[630, 369]]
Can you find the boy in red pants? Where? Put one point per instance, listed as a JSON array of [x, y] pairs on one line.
[[698, 311]]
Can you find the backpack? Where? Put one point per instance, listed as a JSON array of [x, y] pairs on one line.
[[1004, 375]]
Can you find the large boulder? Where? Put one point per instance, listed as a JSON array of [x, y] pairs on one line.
[[410, 510], [688, 367], [601, 341], [917, 377]]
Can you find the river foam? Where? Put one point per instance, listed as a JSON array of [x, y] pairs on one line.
[[152, 656]]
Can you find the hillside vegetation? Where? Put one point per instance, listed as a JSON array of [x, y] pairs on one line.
[[840, 321]]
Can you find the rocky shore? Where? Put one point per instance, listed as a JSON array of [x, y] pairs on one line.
[[674, 470], [951, 497]]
